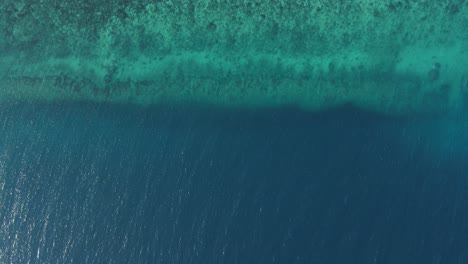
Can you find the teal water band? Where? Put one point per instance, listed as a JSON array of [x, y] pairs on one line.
[[387, 56]]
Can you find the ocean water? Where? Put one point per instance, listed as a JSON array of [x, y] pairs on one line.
[[85, 183]]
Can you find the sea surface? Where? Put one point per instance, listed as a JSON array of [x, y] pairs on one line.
[[86, 183]]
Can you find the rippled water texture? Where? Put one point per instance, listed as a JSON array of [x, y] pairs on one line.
[[107, 184]]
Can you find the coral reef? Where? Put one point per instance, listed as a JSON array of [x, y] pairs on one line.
[[389, 56]]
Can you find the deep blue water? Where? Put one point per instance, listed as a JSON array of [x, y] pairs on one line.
[[114, 184]]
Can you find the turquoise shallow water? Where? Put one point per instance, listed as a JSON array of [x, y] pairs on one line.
[[89, 183], [393, 57]]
